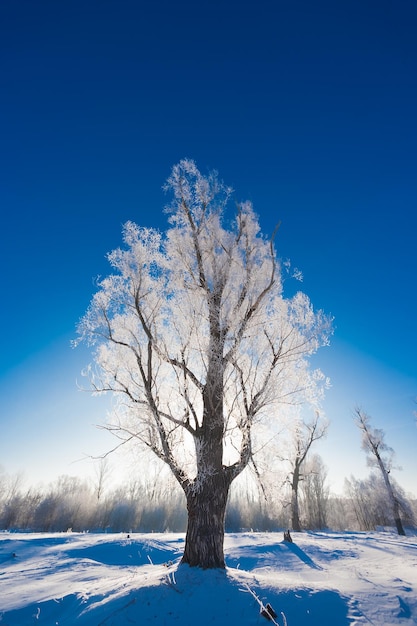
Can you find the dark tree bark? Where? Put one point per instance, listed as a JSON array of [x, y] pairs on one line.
[[207, 495], [205, 529], [295, 511], [399, 525]]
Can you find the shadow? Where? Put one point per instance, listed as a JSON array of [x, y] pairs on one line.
[[133, 552], [61, 611], [281, 554], [33, 542], [188, 596], [296, 550], [405, 611], [309, 608]]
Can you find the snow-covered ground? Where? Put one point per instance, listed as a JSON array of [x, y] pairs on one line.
[[322, 579]]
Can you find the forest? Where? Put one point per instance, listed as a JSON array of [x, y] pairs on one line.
[[155, 504]]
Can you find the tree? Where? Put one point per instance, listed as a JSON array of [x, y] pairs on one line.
[[102, 473], [305, 434], [193, 335], [380, 455], [367, 502], [315, 492]]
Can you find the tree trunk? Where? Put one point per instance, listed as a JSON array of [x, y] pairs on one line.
[[399, 525], [206, 506], [295, 513], [207, 494], [396, 512], [394, 502]]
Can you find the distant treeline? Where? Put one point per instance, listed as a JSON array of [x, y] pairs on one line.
[[159, 506]]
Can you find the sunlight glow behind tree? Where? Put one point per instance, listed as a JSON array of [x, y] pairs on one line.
[[194, 337]]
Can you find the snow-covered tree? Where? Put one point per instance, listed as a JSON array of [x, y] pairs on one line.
[[102, 472], [304, 433], [366, 503], [379, 454], [195, 338], [315, 493]]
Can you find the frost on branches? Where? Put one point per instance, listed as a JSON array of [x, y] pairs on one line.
[[380, 455], [193, 335]]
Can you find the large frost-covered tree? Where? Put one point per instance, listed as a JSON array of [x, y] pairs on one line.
[[195, 338]]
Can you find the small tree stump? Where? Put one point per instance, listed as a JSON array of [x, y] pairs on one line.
[[268, 612]]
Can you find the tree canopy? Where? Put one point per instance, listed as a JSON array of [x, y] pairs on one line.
[[194, 336]]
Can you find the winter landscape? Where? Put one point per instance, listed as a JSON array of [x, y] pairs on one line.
[[322, 578], [209, 367], [246, 345]]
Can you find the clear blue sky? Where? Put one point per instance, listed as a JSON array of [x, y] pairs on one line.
[[306, 108]]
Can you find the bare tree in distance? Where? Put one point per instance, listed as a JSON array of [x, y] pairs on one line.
[[102, 474], [315, 492], [304, 435], [380, 455], [193, 335]]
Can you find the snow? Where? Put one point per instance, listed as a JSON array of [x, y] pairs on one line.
[[323, 578]]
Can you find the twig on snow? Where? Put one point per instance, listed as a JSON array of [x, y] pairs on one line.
[[266, 611]]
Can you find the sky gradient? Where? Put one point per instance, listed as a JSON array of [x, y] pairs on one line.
[[306, 109]]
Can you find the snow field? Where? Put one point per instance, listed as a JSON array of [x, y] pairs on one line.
[[322, 579]]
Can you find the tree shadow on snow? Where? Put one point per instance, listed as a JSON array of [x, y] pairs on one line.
[[296, 550], [311, 608], [125, 553], [224, 598], [190, 596]]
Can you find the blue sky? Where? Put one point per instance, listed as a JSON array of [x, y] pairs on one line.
[[307, 109]]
